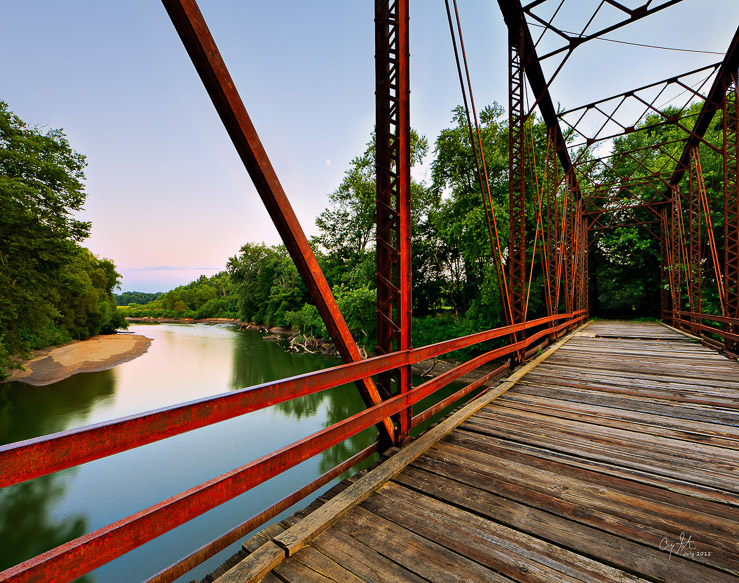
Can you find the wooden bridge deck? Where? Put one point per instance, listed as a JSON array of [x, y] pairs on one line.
[[613, 460]]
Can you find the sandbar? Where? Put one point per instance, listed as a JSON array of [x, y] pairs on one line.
[[51, 365]]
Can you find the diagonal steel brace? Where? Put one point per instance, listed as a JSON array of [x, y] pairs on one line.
[[199, 43]]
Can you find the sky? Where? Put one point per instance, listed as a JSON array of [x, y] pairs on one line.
[[168, 197]]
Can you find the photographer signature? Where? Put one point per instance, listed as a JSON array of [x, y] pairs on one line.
[[683, 547]]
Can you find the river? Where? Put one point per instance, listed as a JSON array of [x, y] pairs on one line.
[[184, 362]]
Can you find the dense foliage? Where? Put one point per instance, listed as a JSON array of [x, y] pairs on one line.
[[53, 290], [625, 261]]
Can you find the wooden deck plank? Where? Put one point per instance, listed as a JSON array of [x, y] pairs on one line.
[[494, 545], [616, 459], [595, 504], [720, 435], [427, 559], [590, 542]]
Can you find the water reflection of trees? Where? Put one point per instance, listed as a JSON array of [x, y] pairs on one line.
[[257, 361], [338, 404], [27, 411], [26, 524]]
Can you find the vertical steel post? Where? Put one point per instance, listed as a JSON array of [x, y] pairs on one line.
[[664, 265], [552, 235], [569, 246], [584, 271], [694, 224], [731, 208], [676, 253], [393, 204], [516, 184]]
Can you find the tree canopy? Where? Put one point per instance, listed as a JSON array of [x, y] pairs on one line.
[[53, 289]]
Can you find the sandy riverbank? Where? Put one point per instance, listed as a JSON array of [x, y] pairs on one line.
[[54, 364]]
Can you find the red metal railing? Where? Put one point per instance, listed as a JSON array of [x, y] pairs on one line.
[[28, 459], [690, 321]]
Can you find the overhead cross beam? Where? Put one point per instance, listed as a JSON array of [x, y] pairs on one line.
[[574, 40]]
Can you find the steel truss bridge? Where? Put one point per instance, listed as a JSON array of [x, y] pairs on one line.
[[583, 187]]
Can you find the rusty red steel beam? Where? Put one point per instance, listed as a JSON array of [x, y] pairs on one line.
[[77, 557], [695, 326], [198, 41], [39, 456], [393, 196], [205, 552], [713, 317], [713, 103]]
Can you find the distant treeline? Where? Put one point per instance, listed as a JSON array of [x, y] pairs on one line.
[[135, 297], [52, 290]]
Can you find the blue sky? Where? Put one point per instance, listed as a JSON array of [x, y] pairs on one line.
[[167, 195]]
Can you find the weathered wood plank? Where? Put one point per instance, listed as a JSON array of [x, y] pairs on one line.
[[718, 434], [593, 500], [709, 472], [487, 542], [591, 542], [427, 559]]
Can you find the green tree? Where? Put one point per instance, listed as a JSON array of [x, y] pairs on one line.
[[44, 273]]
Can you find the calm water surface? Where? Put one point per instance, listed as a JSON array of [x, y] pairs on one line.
[[184, 362]]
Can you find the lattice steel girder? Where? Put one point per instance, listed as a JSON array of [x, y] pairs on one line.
[[517, 184], [196, 37], [676, 251], [583, 280], [569, 244], [664, 266], [393, 204], [731, 207], [552, 232], [576, 40]]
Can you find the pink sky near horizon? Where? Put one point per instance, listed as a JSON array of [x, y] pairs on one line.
[[167, 195]]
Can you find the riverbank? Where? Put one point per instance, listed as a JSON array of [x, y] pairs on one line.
[[53, 364]]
